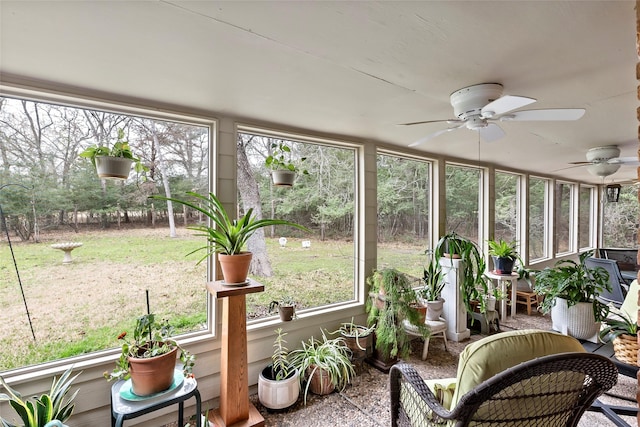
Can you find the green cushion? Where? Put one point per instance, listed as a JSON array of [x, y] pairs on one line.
[[630, 304], [489, 356]]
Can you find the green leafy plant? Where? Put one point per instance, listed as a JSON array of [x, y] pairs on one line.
[[280, 159], [393, 296], [44, 410], [225, 236], [475, 285], [355, 331], [120, 148], [150, 339], [574, 282], [503, 249], [432, 280], [614, 327], [281, 367], [330, 355]]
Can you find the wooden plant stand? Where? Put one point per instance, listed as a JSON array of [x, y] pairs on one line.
[[235, 409]]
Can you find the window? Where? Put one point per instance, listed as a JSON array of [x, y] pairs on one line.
[[538, 219], [620, 219], [563, 235], [404, 212], [463, 201], [586, 235], [314, 269], [126, 250], [507, 207]]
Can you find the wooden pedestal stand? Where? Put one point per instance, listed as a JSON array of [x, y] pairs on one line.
[[235, 409]]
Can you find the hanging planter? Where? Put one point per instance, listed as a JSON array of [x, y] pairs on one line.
[[109, 167], [283, 178], [114, 162], [283, 168]]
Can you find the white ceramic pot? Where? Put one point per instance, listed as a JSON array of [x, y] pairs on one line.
[[283, 178], [434, 309], [577, 321], [113, 167], [278, 394]]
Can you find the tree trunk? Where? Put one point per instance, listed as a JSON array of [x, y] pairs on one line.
[[165, 181], [250, 195]]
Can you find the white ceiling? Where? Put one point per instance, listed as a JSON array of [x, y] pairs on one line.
[[356, 69]]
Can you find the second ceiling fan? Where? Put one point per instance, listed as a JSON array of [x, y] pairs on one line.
[[478, 107]]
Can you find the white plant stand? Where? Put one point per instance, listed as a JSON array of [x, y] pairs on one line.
[[454, 311]]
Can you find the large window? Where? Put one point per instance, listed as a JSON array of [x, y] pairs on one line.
[[563, 209], [538, 218], [463, 201], [313, 269], [586, 235], [404, 229], [620, 219], [507, 207], [50, 196]]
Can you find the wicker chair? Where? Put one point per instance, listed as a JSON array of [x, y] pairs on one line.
[[547, 391]]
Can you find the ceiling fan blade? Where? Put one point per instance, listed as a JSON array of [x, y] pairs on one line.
[[628, 161], [504, 104], [491, 133], [433, 135], [430, 121], [545, 115], [580, 163]]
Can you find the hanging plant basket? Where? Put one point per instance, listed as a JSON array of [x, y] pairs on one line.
[[283, 178], [113, 167]]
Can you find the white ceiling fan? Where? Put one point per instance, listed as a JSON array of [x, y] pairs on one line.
[[478, 107], [606, 160]]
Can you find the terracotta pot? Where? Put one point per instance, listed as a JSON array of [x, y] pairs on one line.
[[235, 268], [286, 312], [422, 311], [360, 346], [113, 167], [320, 381], [152, 375]]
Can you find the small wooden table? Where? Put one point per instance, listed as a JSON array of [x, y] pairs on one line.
[[235, 408]]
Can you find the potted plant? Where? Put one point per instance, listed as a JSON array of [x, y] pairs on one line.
[[624, 333], [571, 291], [389, 307], [114, 162], [49, 410], [227, 237], [475, 285], [431, 291], [150, 359], [504, 255], [358, 338], [286, 308], [283, 169], [323, 364], [279, 382]]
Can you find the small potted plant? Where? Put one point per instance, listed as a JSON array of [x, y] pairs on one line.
[[227, 237], [571, 291], [149, 360], [358, 338], [623, 331], [286, 308], [324, 365], [504, 255], [114, 162], [431, 291], [51, 409], [283, 169], [279, 382]]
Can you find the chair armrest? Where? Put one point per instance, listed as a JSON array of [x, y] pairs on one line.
[[424, 404]]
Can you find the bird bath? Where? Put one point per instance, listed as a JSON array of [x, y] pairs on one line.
[[67, 247]]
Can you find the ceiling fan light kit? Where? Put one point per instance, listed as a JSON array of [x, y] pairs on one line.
[[477, 107]]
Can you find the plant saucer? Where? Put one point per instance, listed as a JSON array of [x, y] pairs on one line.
[[126, 391]]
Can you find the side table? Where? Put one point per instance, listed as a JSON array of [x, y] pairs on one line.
[[502, 280], [122, 409]]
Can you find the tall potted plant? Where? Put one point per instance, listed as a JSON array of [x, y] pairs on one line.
[[279, 383], [571, 291], [283, 168], [390, 305], [227, 237], [431, 291], [49, 410], [504, 255], [114, 162], [149, 360]]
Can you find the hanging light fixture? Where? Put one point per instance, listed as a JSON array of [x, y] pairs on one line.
[[613, 193]]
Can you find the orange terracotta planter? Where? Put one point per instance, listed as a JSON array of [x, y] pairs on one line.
[[235, 268], [152, 375]]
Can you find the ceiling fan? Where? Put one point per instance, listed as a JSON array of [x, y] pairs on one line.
[[477, 107], [606, 160]]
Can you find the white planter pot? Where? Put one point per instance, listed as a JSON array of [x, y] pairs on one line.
[[491, 303], [278, 394], [577, 321], [113, 167], [283, 178], [434, 309]]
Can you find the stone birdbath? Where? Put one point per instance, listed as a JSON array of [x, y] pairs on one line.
[[67, 247]]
